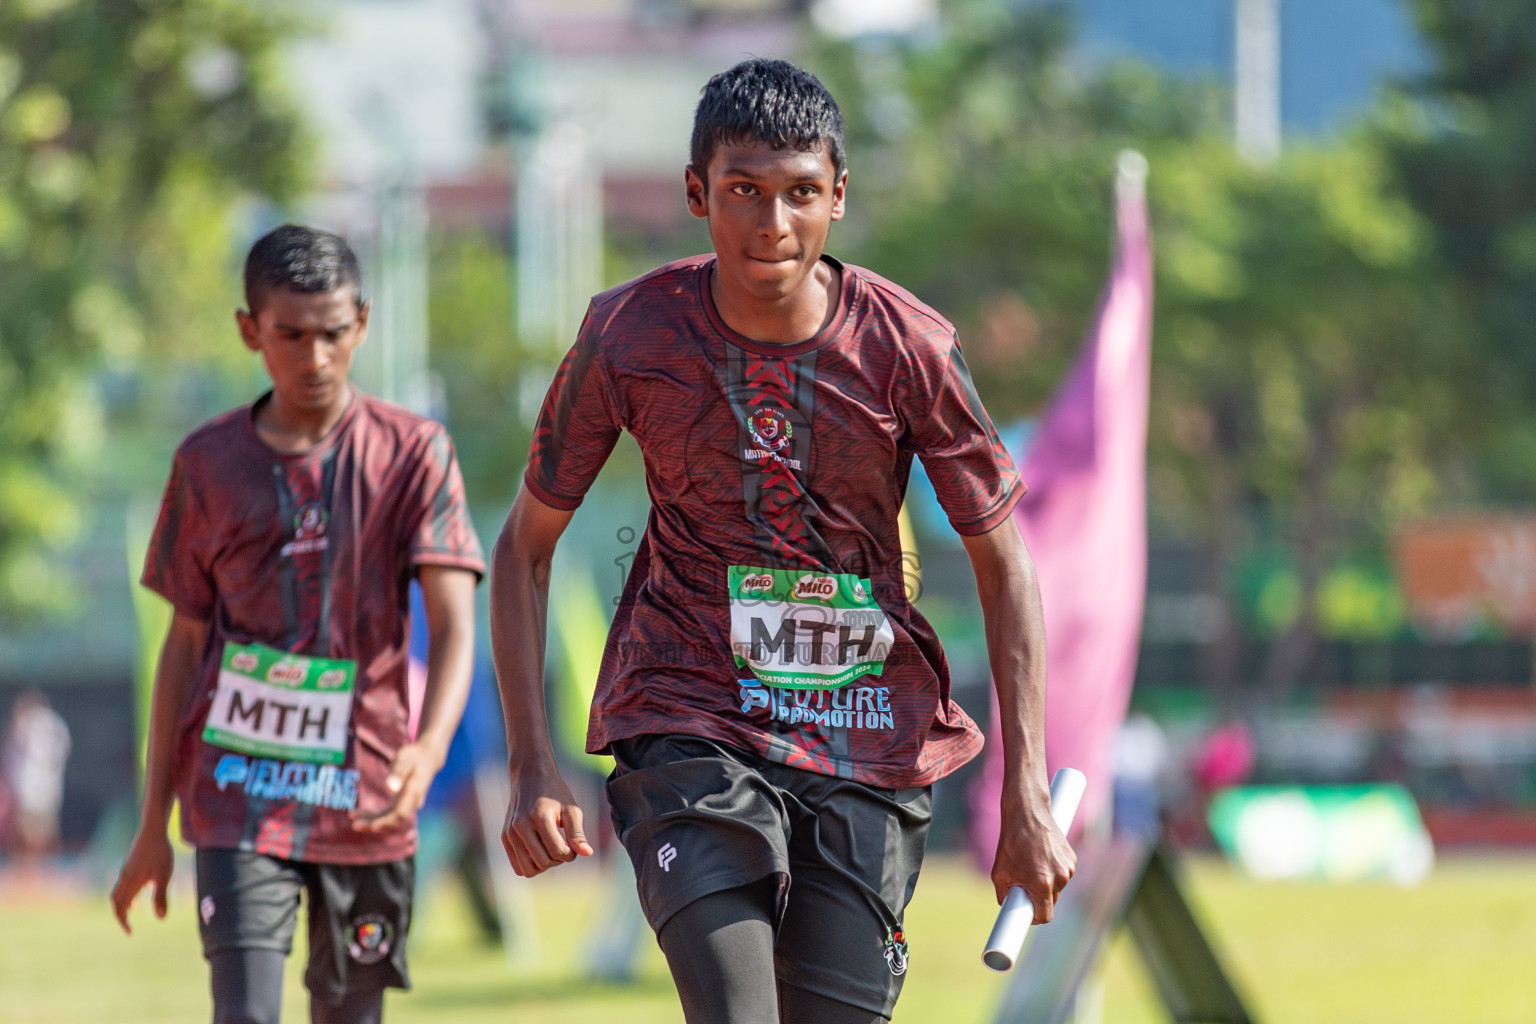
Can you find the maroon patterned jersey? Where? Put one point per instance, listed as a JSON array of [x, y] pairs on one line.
[[791, 457], [311, 553]]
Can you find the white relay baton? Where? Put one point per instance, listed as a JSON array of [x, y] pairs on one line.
[[1017, 913]]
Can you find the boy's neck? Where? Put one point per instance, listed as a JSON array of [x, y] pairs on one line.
[[788, 320], [294, 430]]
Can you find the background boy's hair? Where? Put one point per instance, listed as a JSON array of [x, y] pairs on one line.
[[769, 101], [304, 259]]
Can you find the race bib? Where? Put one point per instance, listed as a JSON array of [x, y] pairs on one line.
[[806, 630], [270, 703]]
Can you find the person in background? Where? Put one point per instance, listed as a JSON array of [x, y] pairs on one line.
[[288, 537], [32, 762], [1141, 753]]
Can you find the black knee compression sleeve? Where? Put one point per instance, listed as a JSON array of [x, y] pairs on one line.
[[720, 950], [247, 986]]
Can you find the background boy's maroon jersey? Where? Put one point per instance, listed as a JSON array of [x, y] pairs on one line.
[[311, 553], [882, 382]]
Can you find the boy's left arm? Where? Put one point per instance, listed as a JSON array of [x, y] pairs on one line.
[[1031, 850], [449, 596]]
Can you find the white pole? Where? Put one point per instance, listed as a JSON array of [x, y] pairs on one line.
[[400, 305], [559, 235], [1256, 74]]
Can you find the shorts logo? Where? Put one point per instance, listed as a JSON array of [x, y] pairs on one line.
[[896, 950], [205, 909], [370, 938], [665, 856]]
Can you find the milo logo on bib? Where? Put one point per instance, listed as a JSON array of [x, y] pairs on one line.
[[806, 630], [274, 704]]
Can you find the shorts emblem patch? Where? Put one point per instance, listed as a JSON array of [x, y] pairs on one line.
[[370, 938], [205, 909], [896, 950]]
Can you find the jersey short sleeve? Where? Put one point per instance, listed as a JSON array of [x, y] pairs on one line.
[[445, 535], [578, 425], [177, 566], [968, 464]]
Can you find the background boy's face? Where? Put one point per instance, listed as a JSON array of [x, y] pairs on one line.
[[306, 341], [769, 213]]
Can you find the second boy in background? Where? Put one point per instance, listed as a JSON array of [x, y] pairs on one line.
[[287, 540]]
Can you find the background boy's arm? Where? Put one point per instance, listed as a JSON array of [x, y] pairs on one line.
[[150, 858], [543, 826], [448, 594], [1031, 851]]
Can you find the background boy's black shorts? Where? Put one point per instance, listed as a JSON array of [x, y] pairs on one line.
[[359, 915], [699, 817]]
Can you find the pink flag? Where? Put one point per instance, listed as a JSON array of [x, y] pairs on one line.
[[1084, 520]]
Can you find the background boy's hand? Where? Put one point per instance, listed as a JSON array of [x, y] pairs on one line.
[[149, 862], [410, 776]]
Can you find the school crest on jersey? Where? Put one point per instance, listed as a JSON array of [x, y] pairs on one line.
[[770, 429]]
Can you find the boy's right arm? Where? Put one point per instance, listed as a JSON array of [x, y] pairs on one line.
[[150, 858], [543, 826]]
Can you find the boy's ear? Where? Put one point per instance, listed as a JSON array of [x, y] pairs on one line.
[[698, 203], [246, 321], [840, 196], [362, 320]]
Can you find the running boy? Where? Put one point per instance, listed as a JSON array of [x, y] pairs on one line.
[[776, 708], [287, 539]]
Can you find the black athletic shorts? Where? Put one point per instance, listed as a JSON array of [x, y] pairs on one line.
[[699, 817], [359, 915]]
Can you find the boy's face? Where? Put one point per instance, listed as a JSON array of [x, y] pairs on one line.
[[769, 212], [306, 341]]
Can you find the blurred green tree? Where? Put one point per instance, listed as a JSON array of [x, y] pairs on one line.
[[1308, 365], [1304, 359], [980, 173], [475, 349], [1467, 159], [129, 133]]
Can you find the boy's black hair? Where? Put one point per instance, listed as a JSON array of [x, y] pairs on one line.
[[304, 259], [768, 101]]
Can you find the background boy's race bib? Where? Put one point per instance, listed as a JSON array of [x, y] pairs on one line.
[[271, 703], [806, 630]]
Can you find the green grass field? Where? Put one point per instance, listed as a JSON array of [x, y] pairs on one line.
[[1456, 949]]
